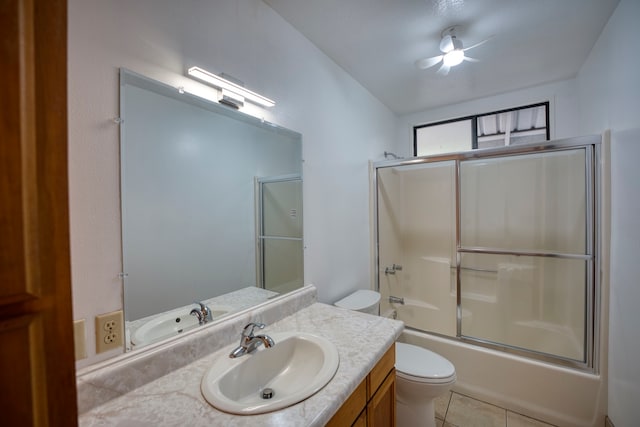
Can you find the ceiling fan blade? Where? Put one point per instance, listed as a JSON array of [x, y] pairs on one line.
[[425, 63], [470, 59], [443, 70], [478, 44], [446, 44]]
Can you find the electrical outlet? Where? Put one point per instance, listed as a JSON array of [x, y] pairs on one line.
[[109, 332]]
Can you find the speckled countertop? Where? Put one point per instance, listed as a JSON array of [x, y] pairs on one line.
[[175, 399]]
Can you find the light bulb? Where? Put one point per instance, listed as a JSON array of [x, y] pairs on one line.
[[453, 58]]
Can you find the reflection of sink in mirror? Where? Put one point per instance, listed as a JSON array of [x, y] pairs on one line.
[[169, 325], [295, 368], [222, 307]]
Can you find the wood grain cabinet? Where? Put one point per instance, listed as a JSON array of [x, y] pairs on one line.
[[373, 403]]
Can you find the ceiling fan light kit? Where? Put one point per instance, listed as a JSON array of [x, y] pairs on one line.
[[453, 52], [453, 58]]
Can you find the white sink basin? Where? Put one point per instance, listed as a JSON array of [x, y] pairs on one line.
[[168, 325], [297, 367]]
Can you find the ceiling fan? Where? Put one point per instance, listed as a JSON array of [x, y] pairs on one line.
[[453, 52]]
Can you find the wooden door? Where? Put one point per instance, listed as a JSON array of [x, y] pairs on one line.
[[37, 372]]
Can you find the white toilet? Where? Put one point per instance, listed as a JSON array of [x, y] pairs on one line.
[[421, 375]]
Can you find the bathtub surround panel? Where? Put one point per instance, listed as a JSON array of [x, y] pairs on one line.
[[175, 398]]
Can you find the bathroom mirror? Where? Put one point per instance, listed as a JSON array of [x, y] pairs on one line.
[[211, 203]]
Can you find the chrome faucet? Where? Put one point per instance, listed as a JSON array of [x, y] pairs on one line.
[[203, 314], [396, 300], [249, 342]]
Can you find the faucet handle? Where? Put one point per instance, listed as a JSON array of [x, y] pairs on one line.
[[248, 330]]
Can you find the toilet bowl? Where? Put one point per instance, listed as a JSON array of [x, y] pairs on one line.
[[421, 375]]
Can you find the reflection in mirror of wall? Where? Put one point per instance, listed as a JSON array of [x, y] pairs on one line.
[[190, 220]]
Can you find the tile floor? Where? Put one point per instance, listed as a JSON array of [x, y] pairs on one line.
[[458, 410]]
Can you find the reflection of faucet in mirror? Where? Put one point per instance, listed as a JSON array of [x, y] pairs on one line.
[[249, 342], [203, 313]]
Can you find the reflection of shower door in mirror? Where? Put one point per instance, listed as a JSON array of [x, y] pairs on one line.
[[279, 251], [416, 230]]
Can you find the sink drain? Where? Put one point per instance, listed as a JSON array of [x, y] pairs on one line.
[[268, 393]]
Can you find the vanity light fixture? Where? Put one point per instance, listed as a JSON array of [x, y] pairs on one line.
[[231, 99], [232, 92]]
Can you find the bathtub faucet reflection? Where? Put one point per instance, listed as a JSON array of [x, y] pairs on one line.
[[396, 300]]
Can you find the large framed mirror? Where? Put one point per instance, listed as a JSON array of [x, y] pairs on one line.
[[211, 202]]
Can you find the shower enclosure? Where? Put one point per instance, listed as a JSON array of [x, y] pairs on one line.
[[495, 247]]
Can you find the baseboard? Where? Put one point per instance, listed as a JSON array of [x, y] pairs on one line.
[[608, 422]]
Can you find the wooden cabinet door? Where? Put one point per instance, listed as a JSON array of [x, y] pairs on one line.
[[37, 371], [381, 410], [351, 408], [361, 421]]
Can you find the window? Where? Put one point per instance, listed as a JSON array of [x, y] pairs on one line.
[[514, 126]]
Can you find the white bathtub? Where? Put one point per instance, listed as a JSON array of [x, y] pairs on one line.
[[557, 395]]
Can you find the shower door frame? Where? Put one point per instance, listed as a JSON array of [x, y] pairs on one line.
[[593, 179]]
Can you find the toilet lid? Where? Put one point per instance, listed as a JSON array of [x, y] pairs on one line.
[[359, 300], [419, 363]]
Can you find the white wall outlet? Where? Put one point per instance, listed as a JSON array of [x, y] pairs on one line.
[[109, 331]]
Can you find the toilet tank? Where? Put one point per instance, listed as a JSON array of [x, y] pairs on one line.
[[363, 300]]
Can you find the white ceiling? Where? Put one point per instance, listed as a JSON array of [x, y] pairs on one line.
[[378, 41]]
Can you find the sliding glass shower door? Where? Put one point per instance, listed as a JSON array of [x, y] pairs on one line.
[[496, 248], [416, 241], [525, 251]]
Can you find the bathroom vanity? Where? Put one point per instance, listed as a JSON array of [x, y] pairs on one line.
[[372, 404], [161, 385]]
